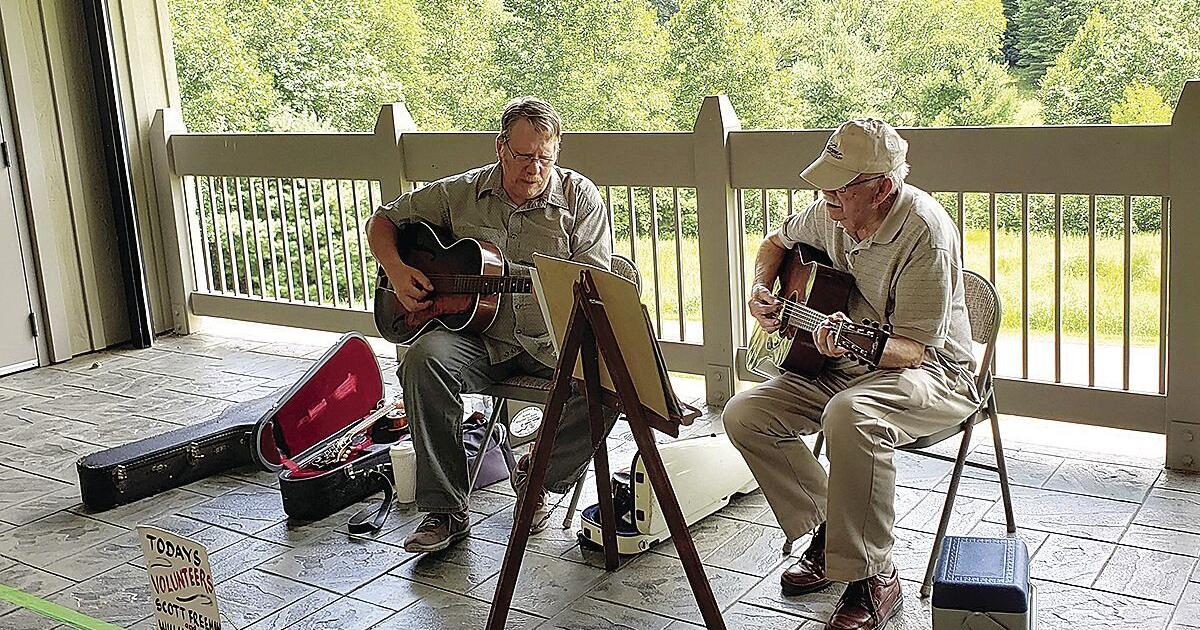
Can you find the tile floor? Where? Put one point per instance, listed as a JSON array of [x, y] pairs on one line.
[[1114, 539]]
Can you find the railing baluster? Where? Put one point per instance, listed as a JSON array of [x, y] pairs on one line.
[[233, 266], [369, 280], [766, 210], [962, 234], [212, 202], [241, 214], [612, 216], [1127, 294], [287, 247], [266, 188], [740, 203], [1024, 285], [198, 197], [316, 246], [654, 254], [341, 213], [1164, 244], [992, 237], [633, 239], [679, 264], [1058, 277], [333, 276], [1091, 290], [300, 249], [258, 252], [362, 252]]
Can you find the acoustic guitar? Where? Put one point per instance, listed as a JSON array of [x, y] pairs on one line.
[[810, 289], [467, 276]]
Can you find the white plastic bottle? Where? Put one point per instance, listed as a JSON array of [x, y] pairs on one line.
[[404, 471]]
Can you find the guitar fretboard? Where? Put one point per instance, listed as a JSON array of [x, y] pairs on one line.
[[452, 283]]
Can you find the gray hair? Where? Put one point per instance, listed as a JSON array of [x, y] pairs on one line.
[[898, 175], [539, 113]]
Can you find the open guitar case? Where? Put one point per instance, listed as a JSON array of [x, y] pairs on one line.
[[309, 420]]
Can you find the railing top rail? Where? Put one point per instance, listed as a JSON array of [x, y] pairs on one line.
[[315, 155], [1085, 159]]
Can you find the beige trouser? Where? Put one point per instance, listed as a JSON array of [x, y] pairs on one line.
[[864, 415]]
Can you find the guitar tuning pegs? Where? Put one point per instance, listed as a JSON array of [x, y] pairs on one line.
[[866, 322]]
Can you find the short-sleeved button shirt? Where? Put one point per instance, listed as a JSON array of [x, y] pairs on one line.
[[568, 220], [908, 274]]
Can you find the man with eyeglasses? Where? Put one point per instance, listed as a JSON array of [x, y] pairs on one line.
[[903, 251], [523, 203]]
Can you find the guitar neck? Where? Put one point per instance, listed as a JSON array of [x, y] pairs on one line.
[[802, 316], [461, 283]]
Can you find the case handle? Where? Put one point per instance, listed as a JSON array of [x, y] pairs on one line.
[[364, 522]]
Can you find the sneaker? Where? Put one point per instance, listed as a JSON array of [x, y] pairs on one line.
[[438, 531], [541, 513]]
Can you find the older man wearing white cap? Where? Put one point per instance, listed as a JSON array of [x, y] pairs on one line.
[[903, 251]]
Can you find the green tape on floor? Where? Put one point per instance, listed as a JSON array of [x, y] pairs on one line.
[[53, 611]]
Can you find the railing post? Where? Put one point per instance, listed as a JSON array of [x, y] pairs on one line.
[[181, 232], [390, 126], [1183, 284], [717, 224]]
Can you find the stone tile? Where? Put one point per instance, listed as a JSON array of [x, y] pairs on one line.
[[245, 553], [55, 537], [1071, 514], [30, 580], [125, 382], [110, 434], [216, 384], [254, 595], [910, 552], [105, 360], [459, 569], [20, 486], [1187, 615], [767, 593], [972, 487], [1071, 560], [174, 407], [1123, 483], [290, 616], [217, 485], [1025, 467], [43, 383], [344, 614], [486, 503], [59, 497], [337, 562], [248, 510], [552, 541], [133, 514], [707, 535], [187, 366], [586, 613], [1168, 509], [268, 366], [21, 427], [747, 617], [89, 562], [754, 550], [927, 514], [1166, 540], [546, 585], [52, 456], [1065, 606], [85, 405], [120, 596], [921, 473], [1147, 574], [390, 591], [657, 584], [746, 507], [1178, 480], [443, 610]]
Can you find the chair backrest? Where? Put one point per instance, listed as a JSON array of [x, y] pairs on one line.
[[625, 268], [983, 309]]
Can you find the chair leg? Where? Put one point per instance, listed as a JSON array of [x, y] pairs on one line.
[[477, 463], [574, 502], [947, 509], [1010, 521], [819, 444]]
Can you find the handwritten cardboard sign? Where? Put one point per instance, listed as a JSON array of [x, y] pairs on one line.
[[180, 581]]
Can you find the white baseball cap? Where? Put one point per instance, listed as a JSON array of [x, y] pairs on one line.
[[862, 145]]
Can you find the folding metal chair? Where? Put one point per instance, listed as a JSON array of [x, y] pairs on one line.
[[983, 309], [534, 390]]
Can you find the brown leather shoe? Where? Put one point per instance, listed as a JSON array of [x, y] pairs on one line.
[[867, 604], [438, 531], [807, 575]]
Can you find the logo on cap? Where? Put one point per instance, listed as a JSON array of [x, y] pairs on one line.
[[832, 150]]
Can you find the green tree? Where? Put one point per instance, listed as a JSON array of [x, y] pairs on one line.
[[1042, 28], [1142, 104], [220, 84], [598, 63], [717, 47]]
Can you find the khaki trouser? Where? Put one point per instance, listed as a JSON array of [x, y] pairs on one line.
[[865, 415]]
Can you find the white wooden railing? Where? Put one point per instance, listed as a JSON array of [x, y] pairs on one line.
[[268, 228]]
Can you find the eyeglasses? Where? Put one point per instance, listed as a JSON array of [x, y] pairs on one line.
[[525, 159], [861, 181]]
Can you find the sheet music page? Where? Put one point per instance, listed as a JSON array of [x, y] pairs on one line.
[[623, 305], [540, 294]]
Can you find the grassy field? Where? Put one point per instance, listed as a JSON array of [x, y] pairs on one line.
[[1109, 270]]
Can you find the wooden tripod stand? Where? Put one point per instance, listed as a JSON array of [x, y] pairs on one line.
[[590, 334]]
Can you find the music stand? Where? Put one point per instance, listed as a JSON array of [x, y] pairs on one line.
[[587, 339]]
